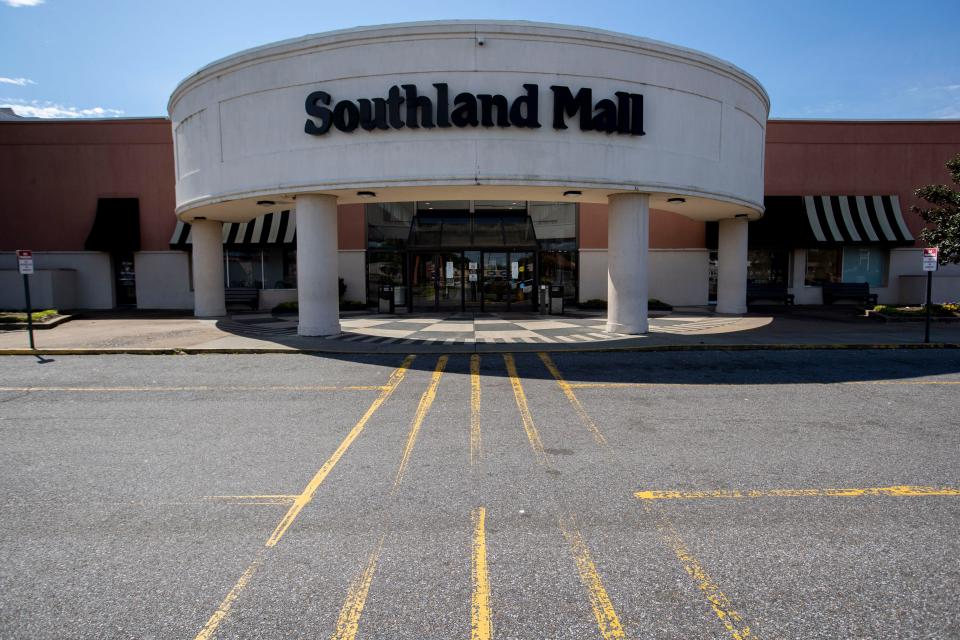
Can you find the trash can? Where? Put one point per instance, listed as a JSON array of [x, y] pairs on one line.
[[556, 299], [386, 299], [543, 302]]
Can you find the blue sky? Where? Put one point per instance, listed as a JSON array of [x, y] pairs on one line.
[[817, 58]]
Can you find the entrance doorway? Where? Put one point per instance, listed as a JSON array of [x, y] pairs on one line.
[[478, 280]]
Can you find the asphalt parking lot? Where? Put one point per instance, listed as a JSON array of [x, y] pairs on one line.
[[787, 494]]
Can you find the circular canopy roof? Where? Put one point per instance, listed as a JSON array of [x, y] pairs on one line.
[[469, 110]]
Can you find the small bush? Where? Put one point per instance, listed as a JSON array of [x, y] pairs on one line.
[[286, 307], [596, 303], [345, 305], [658, 305], [652, 304]]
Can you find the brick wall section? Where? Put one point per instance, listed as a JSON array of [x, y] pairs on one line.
[[51, 174]]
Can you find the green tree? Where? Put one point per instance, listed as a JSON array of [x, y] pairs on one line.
[[943, 218]]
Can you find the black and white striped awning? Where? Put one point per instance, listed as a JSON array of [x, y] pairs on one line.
[[266, 230], [856, 219], [806, 222]]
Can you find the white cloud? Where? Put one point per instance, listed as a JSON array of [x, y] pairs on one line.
[[20, 82], [948, 113], [39, 109], [23, 3]]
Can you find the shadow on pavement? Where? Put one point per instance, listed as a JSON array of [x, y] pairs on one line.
[[700, 367]]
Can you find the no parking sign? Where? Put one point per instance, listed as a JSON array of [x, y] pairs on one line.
[[930, 255]]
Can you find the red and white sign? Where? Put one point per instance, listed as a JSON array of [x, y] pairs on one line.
[[25, 261], [930, 258]]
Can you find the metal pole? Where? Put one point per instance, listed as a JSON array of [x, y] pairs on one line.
[[26, 291], [926, 334]]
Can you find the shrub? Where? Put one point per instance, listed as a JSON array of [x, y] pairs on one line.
[[345, 305], [596, 303], [286, 307], [658, 305], [652, 303]]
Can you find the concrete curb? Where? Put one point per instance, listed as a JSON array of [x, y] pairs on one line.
[[587, 349], [37, 326]]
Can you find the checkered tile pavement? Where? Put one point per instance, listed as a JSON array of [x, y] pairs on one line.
[[469, 328]]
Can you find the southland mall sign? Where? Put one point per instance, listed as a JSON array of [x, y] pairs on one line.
[[404, 106]]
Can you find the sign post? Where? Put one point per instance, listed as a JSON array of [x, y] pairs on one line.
[[25, 265], [930, 256]]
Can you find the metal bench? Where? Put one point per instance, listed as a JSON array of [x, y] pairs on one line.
[[856, 291], [769, 292], [242, 296]]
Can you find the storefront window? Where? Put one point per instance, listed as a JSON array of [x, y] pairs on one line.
[[289, 268], [243, 268], [823, 265], [383, 268], [553, 220], [768, 266], [388, 224], [865, 264], [560, 267]]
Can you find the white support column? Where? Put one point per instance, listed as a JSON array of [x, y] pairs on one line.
[[628, 233], [208, 268], [318, 293], [732, 266]]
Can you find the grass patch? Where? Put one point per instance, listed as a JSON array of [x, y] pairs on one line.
[[939, 310], [10, 317]]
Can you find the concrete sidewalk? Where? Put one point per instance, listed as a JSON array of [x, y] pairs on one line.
[[695, 328]]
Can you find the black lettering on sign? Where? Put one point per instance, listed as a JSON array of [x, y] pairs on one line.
[[566, 104], [529, 103], [465, 114], [405, 106], [314, 100]]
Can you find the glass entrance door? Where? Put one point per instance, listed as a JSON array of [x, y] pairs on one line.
[[496, 280], [522, 280], [472, 293], [450, 273], [423, 281]]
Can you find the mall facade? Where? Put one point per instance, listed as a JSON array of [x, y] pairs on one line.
[[465, 165]]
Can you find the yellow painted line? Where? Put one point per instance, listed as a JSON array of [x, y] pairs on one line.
[[307, 388], [532, 434], [303, 499], [603, 611], [426, 401], [600, 603], [254, 499], [897, 491], [224, 609], [572, 398], [732, 621], [307, 495], [480, 625], [349, 619], [475, 448]]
